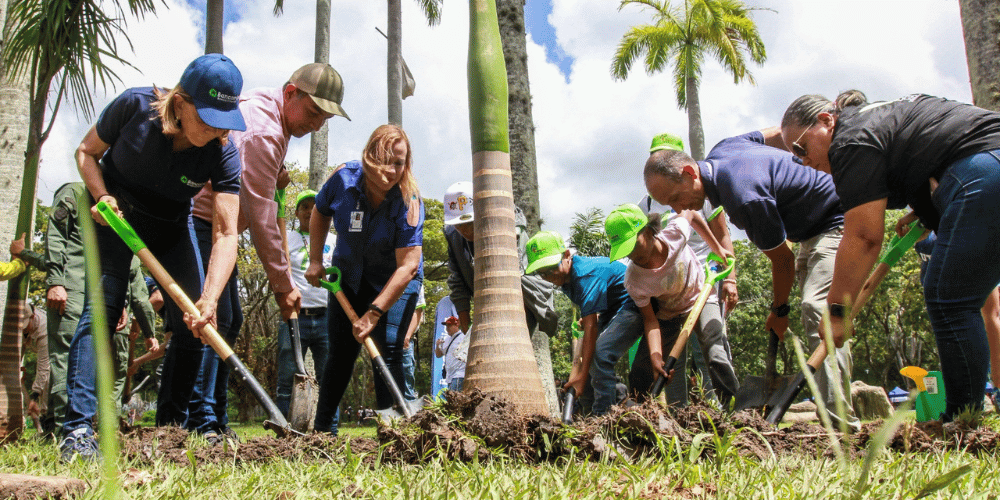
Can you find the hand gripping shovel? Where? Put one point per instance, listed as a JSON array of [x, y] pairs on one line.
[[305, 390], [209, 334], [897, 247], [711, 278], [408, 408]]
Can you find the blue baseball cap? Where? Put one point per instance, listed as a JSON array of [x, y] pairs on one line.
[[214, 83]]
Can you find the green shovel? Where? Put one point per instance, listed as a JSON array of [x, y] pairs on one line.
[[209, 334]]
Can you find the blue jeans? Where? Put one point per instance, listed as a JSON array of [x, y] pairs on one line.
[[173, 244], [208, 405], [961, 274], [388, 335], [314, 337], [456, 384], [409, 375]]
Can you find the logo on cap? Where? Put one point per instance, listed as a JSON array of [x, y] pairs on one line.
[[222, 97]]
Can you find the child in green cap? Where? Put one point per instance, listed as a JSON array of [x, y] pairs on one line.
[[663, 267], [611, 321]]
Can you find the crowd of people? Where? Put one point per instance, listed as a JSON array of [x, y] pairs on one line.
[[192, 167]]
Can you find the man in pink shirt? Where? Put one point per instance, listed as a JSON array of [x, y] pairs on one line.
[[311, 96]]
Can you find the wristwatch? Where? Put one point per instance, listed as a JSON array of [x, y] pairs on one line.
[[837, 311], [781, 311]]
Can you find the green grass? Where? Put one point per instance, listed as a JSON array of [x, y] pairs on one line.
[[723, 474]]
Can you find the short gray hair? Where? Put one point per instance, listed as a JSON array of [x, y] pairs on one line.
[[668, 163]]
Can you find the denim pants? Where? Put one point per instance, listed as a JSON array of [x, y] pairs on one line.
[[814, 268], [961, 274], [456, 383], [409, 372], [388, 335], [173, 244], [208, 404], [314, 337]]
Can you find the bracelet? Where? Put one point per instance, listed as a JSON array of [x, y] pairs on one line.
[[101, 196], [729, 280], [378, 310]]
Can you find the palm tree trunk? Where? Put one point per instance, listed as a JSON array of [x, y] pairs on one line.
[[320, 139], [14, 101], [214, 10], [500, 360], [393, 76], [981, 25], [696, 134]]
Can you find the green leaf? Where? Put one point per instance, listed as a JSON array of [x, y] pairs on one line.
[[943, 480]]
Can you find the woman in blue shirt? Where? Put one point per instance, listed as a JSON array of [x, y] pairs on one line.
[[149, 153], [377, 211]]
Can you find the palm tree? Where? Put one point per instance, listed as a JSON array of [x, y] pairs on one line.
[[981, 25], [214, 26], [500, 358], [683, 36], [319, 140], [394, 55]]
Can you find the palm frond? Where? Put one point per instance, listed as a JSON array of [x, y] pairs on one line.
[[279, 7], [432, 11]]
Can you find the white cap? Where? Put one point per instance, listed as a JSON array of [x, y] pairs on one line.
[[458, 204]]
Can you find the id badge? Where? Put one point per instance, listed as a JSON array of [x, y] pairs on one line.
[[356, 218]]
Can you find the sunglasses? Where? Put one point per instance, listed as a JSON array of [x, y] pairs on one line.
[[798, 149]]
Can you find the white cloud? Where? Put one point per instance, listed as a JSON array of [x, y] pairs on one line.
[[591, 132]]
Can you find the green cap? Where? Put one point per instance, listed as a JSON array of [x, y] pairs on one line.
[[304, 195], [622, 226], [544, 249], [666, 141]]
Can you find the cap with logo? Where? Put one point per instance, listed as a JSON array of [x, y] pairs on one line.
[[304, 195], [622, 226], [666, 141], [450, 320], [458, 204], [214, 84], [544, 249], [323, 84]]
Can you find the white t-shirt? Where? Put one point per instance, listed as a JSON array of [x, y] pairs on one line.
[[298, 251], [677, 283], [457, 348]]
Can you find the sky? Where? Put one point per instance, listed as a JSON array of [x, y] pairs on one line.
[[591, 131]]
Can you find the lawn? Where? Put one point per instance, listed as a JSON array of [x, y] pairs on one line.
[[709, 467]]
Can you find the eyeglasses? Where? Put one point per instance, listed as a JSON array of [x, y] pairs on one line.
[[798, 149]]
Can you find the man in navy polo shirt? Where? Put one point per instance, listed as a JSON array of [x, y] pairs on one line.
[[774, 200], [611, 322]]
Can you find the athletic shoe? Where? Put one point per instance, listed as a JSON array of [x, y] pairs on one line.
[[230, 435], [81, 442]]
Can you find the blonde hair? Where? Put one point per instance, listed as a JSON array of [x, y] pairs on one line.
[[378, 155], [165, 111]]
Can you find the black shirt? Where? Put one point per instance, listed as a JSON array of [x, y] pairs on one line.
[[891, 149]]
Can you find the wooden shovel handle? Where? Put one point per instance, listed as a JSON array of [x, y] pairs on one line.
[[353, 316]]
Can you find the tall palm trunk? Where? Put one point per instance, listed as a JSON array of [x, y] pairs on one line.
[[500, 360], [24, 177], [981, 26], [393, 76], [214, 11], [696, 134], [13, 139], [320, 139], [523, 165]]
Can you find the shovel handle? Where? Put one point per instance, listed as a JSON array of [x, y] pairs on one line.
[[209, 334], [567, 416], [662, 381]]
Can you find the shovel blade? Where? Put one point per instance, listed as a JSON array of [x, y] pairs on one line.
[[387, 415], [302, 405], [756, 394]]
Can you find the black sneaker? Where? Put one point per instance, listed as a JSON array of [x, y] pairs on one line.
[[213, 438]]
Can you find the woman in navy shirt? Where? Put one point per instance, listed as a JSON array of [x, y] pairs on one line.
[[942, 159], [150, 152], [377, 211]]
